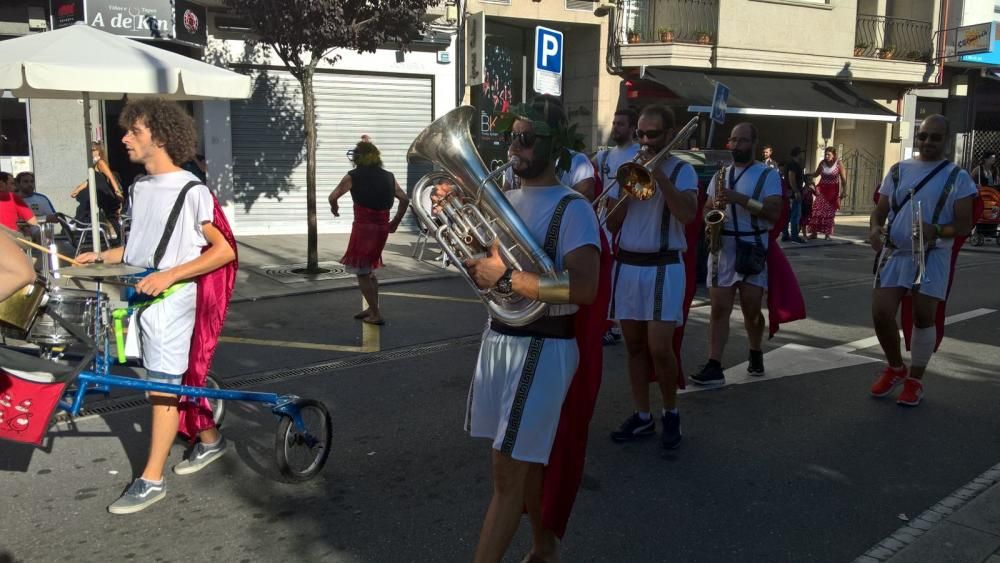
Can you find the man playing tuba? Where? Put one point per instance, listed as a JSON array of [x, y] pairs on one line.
[[523, 373], [649, 277]]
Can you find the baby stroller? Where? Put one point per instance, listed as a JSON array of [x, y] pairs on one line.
[[986, 224]]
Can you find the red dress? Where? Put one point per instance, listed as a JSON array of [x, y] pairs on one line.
[[827, 200], [373, 191]]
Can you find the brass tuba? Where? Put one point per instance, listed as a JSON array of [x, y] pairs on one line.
[[715, 218], [476, 213]]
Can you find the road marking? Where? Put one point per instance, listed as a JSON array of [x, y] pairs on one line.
[[797, 359], [434, 297], [290, 344]]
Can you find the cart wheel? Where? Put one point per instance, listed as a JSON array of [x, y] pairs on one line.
[[978, 239], [300, 456], [218, 405]]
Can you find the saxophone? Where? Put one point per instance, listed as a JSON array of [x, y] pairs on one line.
[[716, 217]]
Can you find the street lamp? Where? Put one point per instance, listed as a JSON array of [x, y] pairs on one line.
[[604, 8]]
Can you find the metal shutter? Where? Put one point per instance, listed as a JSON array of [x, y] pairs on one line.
[[269, 168]]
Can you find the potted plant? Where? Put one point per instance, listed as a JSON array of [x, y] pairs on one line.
[[886, 52], [704, 37], [633, 36], [666, 34], [859, 48]]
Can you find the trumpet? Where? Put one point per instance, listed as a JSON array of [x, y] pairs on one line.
[[917, 238], [635, 178], [716, 217]]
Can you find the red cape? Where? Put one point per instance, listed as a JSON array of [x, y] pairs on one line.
[[784, 296], [906, 312], [563, 474], [214, 291]]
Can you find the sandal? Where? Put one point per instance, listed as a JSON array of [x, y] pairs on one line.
[[378, 322], [362, 314]]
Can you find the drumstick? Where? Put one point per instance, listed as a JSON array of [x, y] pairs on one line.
[[40, 247]]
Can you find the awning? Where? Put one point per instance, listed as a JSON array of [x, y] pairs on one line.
[[771, 95]]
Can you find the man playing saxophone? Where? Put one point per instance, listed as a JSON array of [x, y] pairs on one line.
[[649, 277], [946, 194], [751, 199], [523, 373]]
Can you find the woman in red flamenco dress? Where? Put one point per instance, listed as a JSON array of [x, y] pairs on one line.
[[829, 191]]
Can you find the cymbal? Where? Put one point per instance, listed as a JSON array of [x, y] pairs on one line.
[[101, 270]]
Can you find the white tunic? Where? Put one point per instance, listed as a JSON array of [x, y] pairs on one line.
[[743, 180], [899, 268]]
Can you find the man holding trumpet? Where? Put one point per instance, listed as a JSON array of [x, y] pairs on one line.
[[648, 279], [945, 194]]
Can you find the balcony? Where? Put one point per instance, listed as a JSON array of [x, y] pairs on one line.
[[893, 39], [673, 31]]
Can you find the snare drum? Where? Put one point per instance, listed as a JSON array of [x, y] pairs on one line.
[[75, 306]]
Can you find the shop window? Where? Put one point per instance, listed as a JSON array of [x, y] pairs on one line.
[[13, 128]]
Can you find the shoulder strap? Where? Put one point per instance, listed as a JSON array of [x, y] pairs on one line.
[[949, 185], [552, 235], [754, 225], [894, 177], [919, 186], [168, 229], [665, 220], [602, 162]]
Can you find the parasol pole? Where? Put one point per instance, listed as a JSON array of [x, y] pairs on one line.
[[95, 227]]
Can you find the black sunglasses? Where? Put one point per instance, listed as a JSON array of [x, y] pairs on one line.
[[935, 137], [525, 138], [651, 134]]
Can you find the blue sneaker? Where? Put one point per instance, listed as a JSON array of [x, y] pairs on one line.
[[200, 456], [138, 496]]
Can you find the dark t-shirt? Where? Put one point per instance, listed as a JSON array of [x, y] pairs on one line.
[[794, 167], [372, 187], [107, 202]]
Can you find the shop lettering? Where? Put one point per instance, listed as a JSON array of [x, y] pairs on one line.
[[972, 38], [133, 22]]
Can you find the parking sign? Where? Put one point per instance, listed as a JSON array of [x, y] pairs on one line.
[[548, 61], [720, 103]]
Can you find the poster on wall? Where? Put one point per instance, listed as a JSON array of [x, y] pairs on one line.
[[495, 96]]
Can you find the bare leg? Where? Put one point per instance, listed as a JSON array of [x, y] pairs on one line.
[[924, 311], [209, 435], [751, 297], [661, 346], [544, 544], [164, 431], [885, 302], [639, 365], [504, 514], [722, 308], [369, 289]]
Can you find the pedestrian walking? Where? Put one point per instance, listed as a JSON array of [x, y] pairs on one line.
[[181, 320], [945, 194], [373, 190], [795, 177], [984, 172], [830, 190]]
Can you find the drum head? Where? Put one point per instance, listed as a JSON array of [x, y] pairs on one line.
[[100, 271]]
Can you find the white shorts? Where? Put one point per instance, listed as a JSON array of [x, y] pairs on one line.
[[900, 271], [165, 329], [727, 268], [648, 293], [517, 393]]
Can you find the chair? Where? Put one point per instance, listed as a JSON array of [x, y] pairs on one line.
[[79, 232]]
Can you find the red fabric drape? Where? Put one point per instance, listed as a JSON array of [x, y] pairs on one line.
[[214, 292], [368, 235], [784, 296]]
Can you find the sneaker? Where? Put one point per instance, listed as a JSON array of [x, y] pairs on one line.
[[138, 496], [784, 237], [888, 379], [799, 240], [200, 456], [756, 364], [671, 436], [913, 392], [634, 427], [610, 338], [710, 374]]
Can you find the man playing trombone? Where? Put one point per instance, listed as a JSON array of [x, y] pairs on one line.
[[905, 272], [648, 278]]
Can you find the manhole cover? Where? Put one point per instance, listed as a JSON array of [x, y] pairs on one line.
[[292, 273]]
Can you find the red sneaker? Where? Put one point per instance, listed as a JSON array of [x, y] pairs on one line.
[[888, 379], [913, 392]]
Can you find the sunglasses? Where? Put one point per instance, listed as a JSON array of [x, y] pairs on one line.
[[935, 137], [651, 134], [525, 138]]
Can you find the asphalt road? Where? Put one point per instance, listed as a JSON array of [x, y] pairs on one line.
[[798, 468]]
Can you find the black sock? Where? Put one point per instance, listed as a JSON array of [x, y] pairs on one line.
[[714, 363], [757, 355]]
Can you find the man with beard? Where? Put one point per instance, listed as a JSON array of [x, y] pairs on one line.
[[607, 162], [649, 277], [946, 195], [751, 198], [523, 373]]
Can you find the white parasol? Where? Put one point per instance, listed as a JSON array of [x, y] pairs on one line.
[[80, 62]]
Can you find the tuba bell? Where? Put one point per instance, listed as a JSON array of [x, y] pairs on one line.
[[476, 213]]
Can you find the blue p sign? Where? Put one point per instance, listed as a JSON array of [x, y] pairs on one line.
[[548, 61]]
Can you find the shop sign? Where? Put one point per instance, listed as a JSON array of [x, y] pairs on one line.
[[990, 55], [178, 20], [973, 39]]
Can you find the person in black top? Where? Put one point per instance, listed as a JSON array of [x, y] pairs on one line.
[[795, 176], [110, 196], [373, 190]]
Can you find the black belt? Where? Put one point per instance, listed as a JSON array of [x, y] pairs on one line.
[[726, 233], [648, 258], [561, 327]]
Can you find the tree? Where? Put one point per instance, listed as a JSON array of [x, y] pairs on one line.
[[305, 32]]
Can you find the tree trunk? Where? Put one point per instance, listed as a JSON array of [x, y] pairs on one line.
[[309, 106]]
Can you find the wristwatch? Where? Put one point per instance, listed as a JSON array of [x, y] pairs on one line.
[[504, 286]]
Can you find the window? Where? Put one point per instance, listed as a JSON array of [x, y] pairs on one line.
[[13, 128]]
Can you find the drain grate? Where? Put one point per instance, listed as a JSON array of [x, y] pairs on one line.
[[251, 379], [286, 273]]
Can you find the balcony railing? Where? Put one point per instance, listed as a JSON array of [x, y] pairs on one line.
[[893, 38], [661, 21]]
